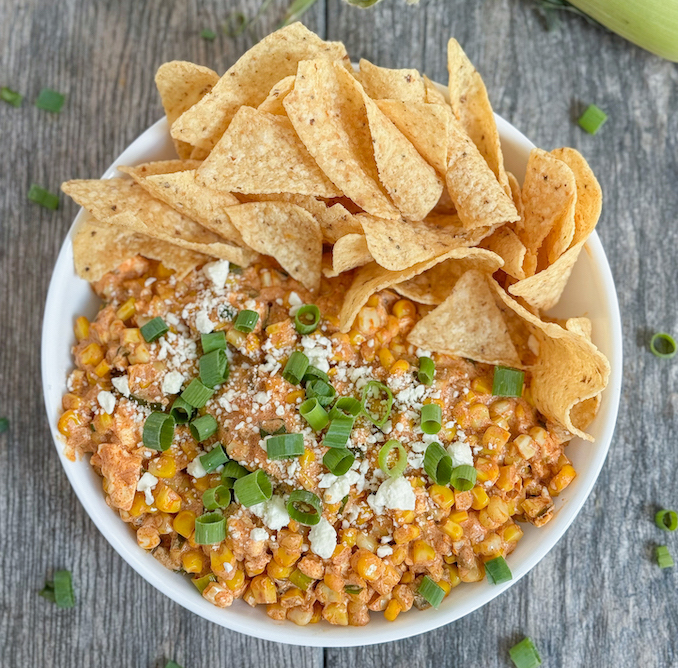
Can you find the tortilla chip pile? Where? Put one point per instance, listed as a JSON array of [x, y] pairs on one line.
[[292, 154]]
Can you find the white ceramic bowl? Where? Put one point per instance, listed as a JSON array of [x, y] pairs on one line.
[[590, 292]]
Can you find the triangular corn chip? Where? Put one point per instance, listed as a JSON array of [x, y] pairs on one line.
[[505, 243], [433, 94], [349, 252], [273, 102], [383, 83]]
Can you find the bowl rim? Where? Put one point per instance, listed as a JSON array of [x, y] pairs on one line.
[[323, 635]]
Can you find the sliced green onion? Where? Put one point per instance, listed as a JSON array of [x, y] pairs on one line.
[[438, 464], [498, 571], [154, 329], [525, 654], [4, 425], [373, 390], [227, 482], [172, 664], [43, 197], [196, 394], [463, 477], [314, 373], [181, 411], [253, 488], [401, 461], [246, 321], [322, 391], [272, 427], [210, 529], [507, 382], [50, 100], [214, 368], [158, 431], [285, 446], [299, 499], [295, 368], [353, 589], [666, 520], [60, 590], [11, 97], [663, 345], [216, 497], [213, 341], [233, 470], [431, 418], [201, 583], [664, 558], [307, 318], [213, 459], [208, 34], [427, 370], [338, 432], [592, 119], [203, 427], [338, 460], [299, 579], [346, 406], [431, 591], [314, 413]]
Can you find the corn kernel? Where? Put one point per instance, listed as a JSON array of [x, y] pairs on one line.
[[480, 498], [336, 613], [400, 368], [237, 580], [562, 479], [487, 469], [441, 496], [163, 467], [369, 566], [356, 338], [386, 358], [513, 533], [184, 523], [81, 328], [263, 590], [453, 573], [406, 533], [539, 435], [236, 338], [193, 561], [162, 271], [405, 516], [139, 505], [278, 572], [445, 586], [479, 415], [481, 385], [407, 578], [373, 301], [459, 516], [166, 499], [368, 320], [102, 368], [453, 529], [525, 446], [348, 537], [404, 308], [91, 354], [393, 609], [285, 557], [422, 552], [103, 422], [495, 513], [68, 421], [220, 557], [366, 541], [495, 438], [141, 355], [131, 336], [126, 310], [292, 397], [505, 480], [202, 484]]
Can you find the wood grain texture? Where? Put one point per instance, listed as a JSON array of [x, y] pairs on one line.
[[597, 599]]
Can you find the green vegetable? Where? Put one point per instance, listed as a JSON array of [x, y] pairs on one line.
[[209, 35], [592, 119]]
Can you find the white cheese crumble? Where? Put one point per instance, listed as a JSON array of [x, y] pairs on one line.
[[106, 401], [203, 323], [273, 513], [393, 494], [318, 349], [323, 539], [146, 483], [337, 486], [258, 534], [121, 383], [196, 469], [295, 303], [172, 382], [460, 453], [217, 272], [384, 551]]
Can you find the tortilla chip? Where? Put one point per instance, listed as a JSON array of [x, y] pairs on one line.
[[471, 106], [569, 372], [184, 194], [273, 103], [468, 324], [382, 83], [434, 286], [327, 110], [549, 197], [158, 167], [349, 252], [261, 153], [424, 125], [412, 183], [505, 243], [433, 94], [123, 202], [181, 85], [98, 250], [398, 244], [285, 231], [479, 198], [250, 79], [582, 326], [372, 278]]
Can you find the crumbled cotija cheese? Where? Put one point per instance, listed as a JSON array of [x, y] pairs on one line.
[[323, 539], [146, 483], [172, 382], [393, 494], [106, 401]]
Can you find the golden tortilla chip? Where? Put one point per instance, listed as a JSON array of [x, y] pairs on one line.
[[582, 326], [471, 106], [477, 195], [468, 324], [159, 167], [424, 125], [250, 79], [433, 94], [412, 183], [273, 103], [261, 153], [285, 231], [434, 286], [372, 278], [98, 250], [398, 244], [184, 194], [349, 252], [505, 243], [327, 110], [382, 83], [549, 197], [569, 372], [124, 202], [181, 85]]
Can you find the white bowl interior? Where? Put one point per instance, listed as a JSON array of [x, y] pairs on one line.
[[590, 292]]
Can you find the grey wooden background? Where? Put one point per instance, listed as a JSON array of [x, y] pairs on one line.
[[597, 599]]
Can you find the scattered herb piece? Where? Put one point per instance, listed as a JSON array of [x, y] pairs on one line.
[[666, 520], [50, 100], [592, 119], [664, 558], [60, 590], [11, 96], [525, 654], [663, 345], [43, 197], [208, 34], [4, 425]]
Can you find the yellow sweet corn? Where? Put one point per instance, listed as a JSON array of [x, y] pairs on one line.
[[81, 328], [126, 310]]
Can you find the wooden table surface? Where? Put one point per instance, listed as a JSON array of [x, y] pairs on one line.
[[597, 599]]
